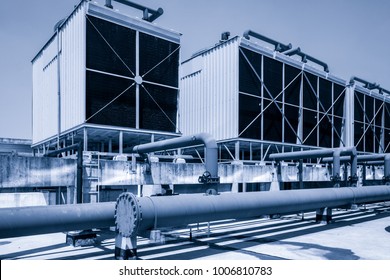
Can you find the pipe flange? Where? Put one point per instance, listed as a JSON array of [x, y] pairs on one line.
[[127, 214]]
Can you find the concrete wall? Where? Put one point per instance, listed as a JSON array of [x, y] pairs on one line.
[[22, 199], [18, 172]]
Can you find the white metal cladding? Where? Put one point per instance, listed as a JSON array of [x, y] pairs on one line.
[[72, 73], [209, 92], [45, 98], [72, 61]]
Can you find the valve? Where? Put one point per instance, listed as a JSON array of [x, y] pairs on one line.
[[206, 178]]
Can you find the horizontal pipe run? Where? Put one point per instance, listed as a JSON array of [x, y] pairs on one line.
[[311, 154], [360, 158], [160, 212], [278, 46], [24, 221], [336, 153], [154, 14]]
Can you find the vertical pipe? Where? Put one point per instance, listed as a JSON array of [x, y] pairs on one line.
[[121, 142], [110, 145], [354, 176], [387, 169], [300, 118], [85, 136], [300, 173], [336, 168], [59, 86], [237, 150], [137, 95], [79, 175]]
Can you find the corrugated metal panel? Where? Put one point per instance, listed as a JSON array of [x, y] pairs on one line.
[[45, 98], [209, 92], [73, 70]]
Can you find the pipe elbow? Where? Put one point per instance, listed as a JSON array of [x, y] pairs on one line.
[[207, 139], [246, 34]]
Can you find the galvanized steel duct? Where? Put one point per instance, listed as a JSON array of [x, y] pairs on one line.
[[211, 148]]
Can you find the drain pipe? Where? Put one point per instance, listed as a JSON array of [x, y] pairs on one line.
[[335, 153], [278, 46], [211, 152]]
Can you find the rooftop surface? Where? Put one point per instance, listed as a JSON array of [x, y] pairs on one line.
[[362, 234]]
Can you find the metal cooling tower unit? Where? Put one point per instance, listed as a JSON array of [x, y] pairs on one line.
[[265, 96], [106, 76]]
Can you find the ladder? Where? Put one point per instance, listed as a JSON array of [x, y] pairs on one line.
[[92, 179]]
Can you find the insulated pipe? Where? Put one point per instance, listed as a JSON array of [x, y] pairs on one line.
[[211, 153], [278, 46], [24, 221]]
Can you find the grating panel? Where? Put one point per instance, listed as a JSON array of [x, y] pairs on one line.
[[248, 79], [272, 123], [159, 60], [110, 47], [101, 90], [158, 108], [273, 78], [291, 93], [249, 119]]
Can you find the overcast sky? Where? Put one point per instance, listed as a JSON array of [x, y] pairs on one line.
[[351, 36]]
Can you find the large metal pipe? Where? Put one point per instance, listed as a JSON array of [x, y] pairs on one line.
[[211, 148], [136, 216], [160, 212], [24, 221]]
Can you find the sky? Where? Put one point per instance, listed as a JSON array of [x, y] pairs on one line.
[[351, 36]]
